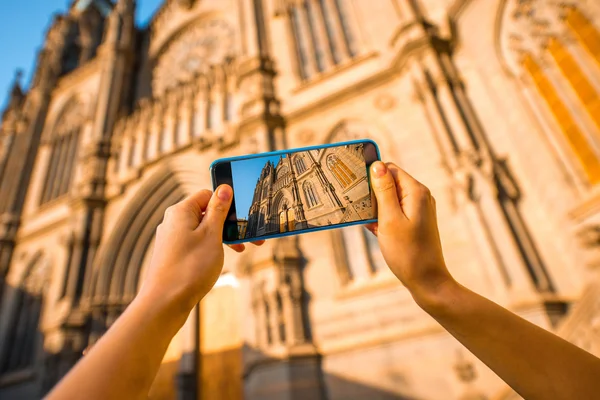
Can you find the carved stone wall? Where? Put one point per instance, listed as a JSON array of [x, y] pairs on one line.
[[440, 86]]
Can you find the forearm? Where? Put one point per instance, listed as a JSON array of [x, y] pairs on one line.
[[125, 360], [534, 362]]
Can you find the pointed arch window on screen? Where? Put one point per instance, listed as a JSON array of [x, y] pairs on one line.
[[340, 171], [323, 34], [310, 194], [300, 165]]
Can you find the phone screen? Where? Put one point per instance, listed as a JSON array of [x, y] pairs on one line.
[[298, 191]]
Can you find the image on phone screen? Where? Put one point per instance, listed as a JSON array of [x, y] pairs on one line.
[[300, 190]]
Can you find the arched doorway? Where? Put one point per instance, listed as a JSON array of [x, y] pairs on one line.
[[206, 353], [287, 219]]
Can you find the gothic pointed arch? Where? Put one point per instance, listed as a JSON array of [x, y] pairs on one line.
[[72, 113], [203, 46], [63, 138], [120, 260], [283, 197]]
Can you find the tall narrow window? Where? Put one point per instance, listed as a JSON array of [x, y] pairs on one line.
[[60, 170], [587, 33], [300, 165], [345, 22], [71, 156], [340, 170], [322, 34], [310, 194], [576, 139], [309, 8], [300, 42], [576, 77], [330, 28]]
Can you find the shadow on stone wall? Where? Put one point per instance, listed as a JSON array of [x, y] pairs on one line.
[[22, 359], [302, 377]]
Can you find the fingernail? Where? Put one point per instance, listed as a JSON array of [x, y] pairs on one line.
[[224, 193], [379, 168]]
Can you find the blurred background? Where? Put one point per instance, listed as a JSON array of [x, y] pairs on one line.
[[114, 109]]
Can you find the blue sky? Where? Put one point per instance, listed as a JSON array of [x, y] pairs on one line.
[[23, 25], [245, 174]]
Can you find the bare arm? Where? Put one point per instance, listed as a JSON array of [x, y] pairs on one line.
[[123, 364], [187, 260], [534, 362]]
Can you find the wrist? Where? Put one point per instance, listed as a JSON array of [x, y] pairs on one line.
[[171, 308], [438, 297]]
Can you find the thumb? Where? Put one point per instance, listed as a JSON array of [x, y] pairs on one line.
[[386, 192], [217, 209]]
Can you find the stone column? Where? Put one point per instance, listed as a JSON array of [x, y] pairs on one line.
[[200, 109], [289, 369], [142, 131], [187, 115]]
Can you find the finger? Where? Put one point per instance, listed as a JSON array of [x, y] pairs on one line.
[[259, 242], [411, 192], [373, 228], [188, 212], [403, 177], [386, 192], [237, 247], [217, 209]]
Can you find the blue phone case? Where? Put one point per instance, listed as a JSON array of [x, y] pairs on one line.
[[278, 152]]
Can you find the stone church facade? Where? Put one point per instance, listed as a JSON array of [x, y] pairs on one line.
[[493, 104], [310, 189]]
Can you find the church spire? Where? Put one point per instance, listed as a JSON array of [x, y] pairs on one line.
[[16, 94]]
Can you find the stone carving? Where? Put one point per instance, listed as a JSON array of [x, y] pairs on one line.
[[385, 102], [203, 45]]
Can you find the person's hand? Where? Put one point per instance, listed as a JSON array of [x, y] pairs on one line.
[[188, 252], [407, 231]]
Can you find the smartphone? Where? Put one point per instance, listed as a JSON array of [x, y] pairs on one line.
[[295, 191]]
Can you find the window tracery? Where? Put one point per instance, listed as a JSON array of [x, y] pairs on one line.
[[204, 44]]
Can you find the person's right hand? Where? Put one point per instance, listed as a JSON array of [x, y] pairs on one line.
[[407, 231]]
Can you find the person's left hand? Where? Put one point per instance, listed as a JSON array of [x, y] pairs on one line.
[[188, 252]]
